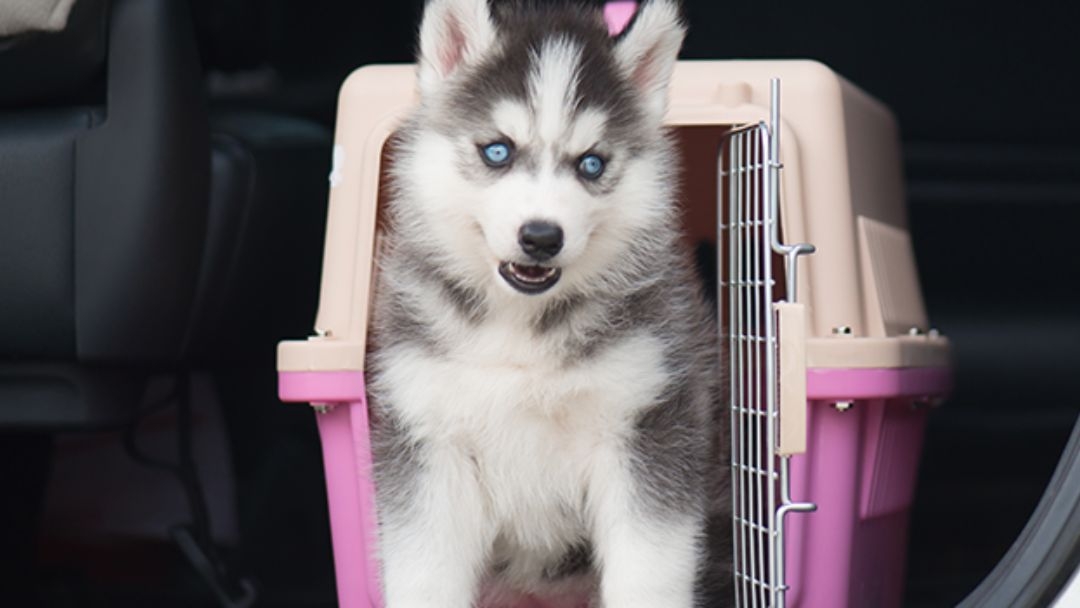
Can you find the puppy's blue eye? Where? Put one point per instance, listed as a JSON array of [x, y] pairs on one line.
[[590, 166], [496, 154]]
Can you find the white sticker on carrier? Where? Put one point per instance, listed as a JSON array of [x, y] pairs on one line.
[[337, 160]]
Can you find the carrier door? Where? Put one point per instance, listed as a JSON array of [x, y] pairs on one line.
[[765, 342]]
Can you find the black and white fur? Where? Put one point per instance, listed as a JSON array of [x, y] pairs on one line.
[[559, 442]]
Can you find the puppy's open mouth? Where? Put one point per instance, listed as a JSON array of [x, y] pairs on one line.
[[529, 279]]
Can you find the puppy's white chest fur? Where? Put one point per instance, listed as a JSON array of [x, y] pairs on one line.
[[537, 432]]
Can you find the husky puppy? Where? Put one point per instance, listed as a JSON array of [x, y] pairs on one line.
[[545, 382]]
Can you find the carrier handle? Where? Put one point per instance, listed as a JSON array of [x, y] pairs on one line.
[[618, 15]]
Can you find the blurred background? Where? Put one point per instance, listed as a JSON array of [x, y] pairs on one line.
[[223, 110]]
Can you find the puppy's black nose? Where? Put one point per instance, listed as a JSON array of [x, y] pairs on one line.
[[540, 240]]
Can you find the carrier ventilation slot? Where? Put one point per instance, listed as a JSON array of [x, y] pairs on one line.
[[750, 185]]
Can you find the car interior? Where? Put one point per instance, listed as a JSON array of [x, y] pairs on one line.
[[163, 187]]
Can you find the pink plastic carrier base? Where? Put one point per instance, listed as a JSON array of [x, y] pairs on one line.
[[350, 492], [877, 383], [862, 478]]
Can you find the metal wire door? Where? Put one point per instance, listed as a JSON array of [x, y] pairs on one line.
[[749, 186]]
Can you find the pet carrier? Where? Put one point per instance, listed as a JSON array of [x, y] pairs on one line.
[[832, 360]]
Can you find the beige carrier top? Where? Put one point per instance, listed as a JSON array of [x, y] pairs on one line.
[[841, 190]]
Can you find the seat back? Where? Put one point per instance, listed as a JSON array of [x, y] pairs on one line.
[[104, 165]]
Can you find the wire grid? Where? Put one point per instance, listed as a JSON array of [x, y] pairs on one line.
[[750, 186], [752, 351]]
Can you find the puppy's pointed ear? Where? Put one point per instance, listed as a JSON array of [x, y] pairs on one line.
[[453, 33], [647, 51]]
